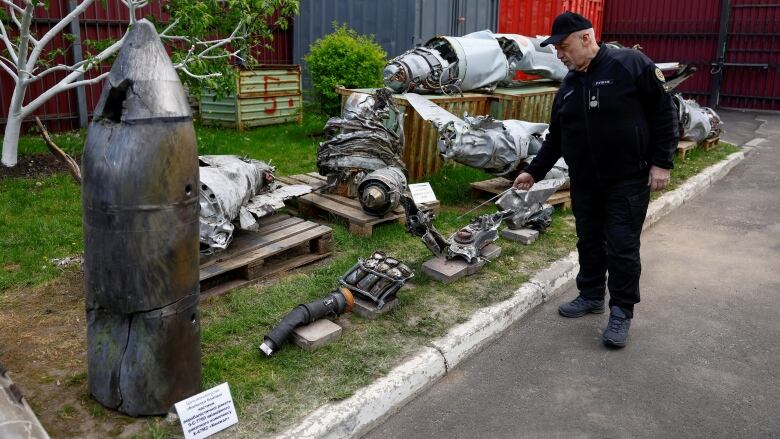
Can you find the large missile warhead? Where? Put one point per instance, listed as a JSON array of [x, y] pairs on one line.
[[142, 83], [140, 199]]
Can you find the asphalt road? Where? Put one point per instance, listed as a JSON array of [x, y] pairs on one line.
[[704, 352]]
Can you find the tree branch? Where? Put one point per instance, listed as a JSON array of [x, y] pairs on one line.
[[58, 68], [12, 6], [68, 82], [193, 75], [8, 44], [8, 69], [73, 167], [54, 31]]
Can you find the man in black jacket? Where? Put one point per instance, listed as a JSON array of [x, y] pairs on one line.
[[617, 129]]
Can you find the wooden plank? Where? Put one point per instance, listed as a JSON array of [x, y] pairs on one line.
[[244, 242], [267, 246], [293, 243], [683, 147], [709, 144]]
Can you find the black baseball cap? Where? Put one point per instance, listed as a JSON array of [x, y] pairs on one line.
[[564, 25]]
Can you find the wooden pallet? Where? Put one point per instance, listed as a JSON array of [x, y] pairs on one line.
[[487, 189], [683, 147], [708, 144], [282, 243], [349, 209]]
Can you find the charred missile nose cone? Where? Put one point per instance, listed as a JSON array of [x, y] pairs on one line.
[[143, 83]]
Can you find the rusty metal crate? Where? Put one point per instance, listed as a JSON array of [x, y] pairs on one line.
[[267, 95]]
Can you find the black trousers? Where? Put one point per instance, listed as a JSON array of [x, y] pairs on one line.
[[609, 222]]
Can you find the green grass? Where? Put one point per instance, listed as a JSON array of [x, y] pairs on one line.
[[43, 221]]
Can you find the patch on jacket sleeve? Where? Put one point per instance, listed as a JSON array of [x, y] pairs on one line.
[[659, 75]]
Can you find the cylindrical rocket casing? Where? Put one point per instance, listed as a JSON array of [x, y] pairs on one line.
[[141, 246]]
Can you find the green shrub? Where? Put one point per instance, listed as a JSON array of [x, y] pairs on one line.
[[344, 58]]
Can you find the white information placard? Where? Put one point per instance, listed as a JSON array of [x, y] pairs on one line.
[[207, 413], [422, 193]]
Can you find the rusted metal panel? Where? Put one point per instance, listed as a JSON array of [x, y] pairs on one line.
[[532, 103], [268, 95], [534, 17], [669, 31]]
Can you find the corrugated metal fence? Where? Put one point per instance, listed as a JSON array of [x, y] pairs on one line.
[[744, 75], [102, 20]]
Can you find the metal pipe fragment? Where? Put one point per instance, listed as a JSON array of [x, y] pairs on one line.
[[333, 305], [140, 199]]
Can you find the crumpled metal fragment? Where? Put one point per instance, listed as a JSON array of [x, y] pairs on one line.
[[528, 208], [234, 188], [467, 243], [498, 147], [367, 137], [479, 60], [697, 123]]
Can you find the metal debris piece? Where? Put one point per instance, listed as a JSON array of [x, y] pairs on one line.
[[497, 147], [17, 419], [696, 123], [234, 188], [479, 60], [333, 305], [380, 191], [377, 278], [368, 137], [467, 243], [140, 202], [528, 208]]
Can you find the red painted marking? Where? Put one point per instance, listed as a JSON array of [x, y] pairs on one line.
[[290, 103], [271, 110]]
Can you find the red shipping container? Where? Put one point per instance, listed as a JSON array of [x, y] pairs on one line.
[[535, 17]]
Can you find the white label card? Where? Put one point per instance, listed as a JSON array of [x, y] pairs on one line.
[[422, 193], [207, 413]]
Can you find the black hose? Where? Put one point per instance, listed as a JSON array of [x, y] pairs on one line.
[[331, 306]]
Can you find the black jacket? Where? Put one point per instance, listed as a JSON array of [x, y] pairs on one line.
[[611, 122]]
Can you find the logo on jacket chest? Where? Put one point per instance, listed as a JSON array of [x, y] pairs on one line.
[[603, 82]]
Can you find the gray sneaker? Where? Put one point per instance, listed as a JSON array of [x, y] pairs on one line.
[[581, 306], [616, 333]]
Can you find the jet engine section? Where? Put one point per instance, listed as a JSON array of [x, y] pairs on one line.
[[381, 191], [367, 137], [696, 123], [498, 147], [234, 188], [479, 60], [528, 56]]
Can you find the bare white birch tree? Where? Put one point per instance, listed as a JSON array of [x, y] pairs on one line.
[[196, 56]]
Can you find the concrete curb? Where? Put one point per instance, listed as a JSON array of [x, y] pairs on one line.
[[370, 405]]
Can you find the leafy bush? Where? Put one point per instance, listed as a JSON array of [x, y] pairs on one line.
[[344, 58]]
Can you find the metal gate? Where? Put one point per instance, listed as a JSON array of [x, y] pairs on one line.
[[747, 70], [735, 44]]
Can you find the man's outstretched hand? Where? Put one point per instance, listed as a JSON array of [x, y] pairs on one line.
[[659, 178], [524, 181]]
